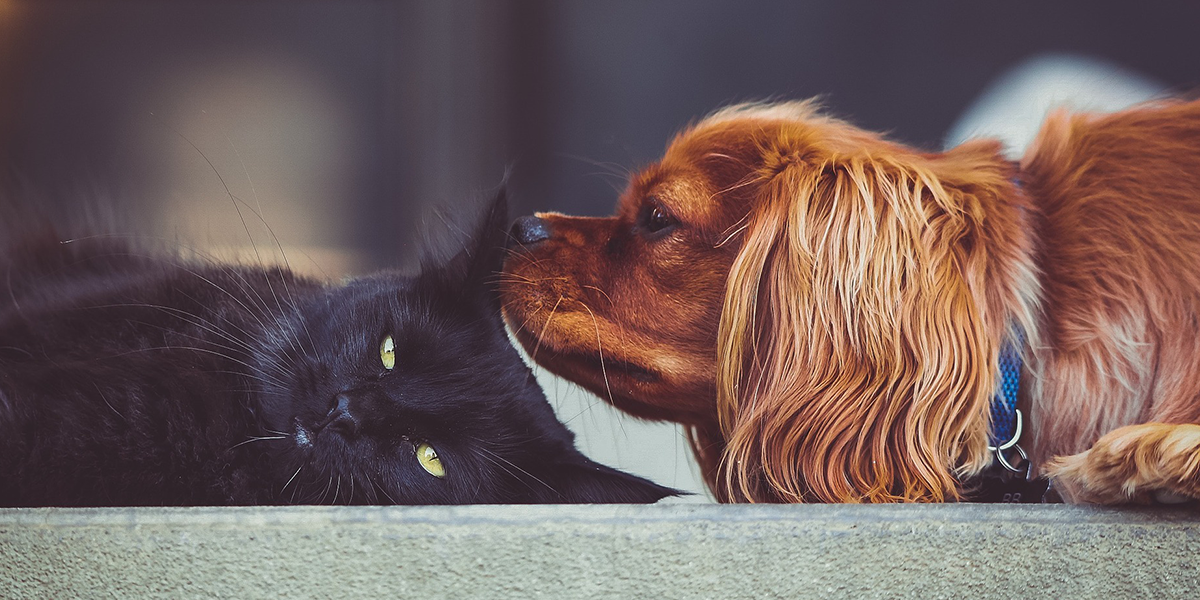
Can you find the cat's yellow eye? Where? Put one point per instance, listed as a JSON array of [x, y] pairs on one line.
[[387, 353], [429, 460]]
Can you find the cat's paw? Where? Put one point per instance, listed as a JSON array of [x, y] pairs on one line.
[[1139, 464]]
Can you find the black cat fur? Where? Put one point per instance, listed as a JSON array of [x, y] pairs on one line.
[[130, 377]]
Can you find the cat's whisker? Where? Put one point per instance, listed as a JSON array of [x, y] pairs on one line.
[[276, 366], [233, 200], [237, 327], [277, 320], [290, 301], [505, 469], [257, 378], [195, 349], [266, 310], [12, 295], [517, 467], [239, 281], [585, 410], [259, 391], [281, 372], [27, 353], [227, 293], [325, 492], [102, 397], [304, 324], [369, 490], [592, 402], [229, 193], [257, 439], [198, 321], [258, 213], [290, 480], [324, 274], [295, 490], [384, 491], [279, 368], [246, 288], [258, 375]]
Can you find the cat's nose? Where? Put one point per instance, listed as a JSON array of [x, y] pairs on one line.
[[530, 230], [340, 419]]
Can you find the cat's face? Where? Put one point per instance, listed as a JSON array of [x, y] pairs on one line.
[[407, 390]]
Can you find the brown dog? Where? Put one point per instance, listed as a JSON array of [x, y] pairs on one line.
[[824, 309]]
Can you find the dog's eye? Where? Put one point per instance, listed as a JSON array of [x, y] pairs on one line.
[[658, 219]]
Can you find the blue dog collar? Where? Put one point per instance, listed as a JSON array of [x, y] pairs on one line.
[[1007, 421], [1004, 403]]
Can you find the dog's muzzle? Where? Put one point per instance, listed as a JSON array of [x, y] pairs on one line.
[[530, 230]]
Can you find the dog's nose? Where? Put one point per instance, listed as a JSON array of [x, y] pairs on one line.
[[530, 230]]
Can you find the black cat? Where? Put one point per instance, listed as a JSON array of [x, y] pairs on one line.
[[129, 378]]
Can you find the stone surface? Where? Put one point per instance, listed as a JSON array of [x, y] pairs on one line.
[[565, 552]]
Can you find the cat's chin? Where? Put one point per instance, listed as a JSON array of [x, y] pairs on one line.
[[302, 435]]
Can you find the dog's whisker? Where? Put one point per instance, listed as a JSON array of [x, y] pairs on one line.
[[513, 277], [602, 292], [545, 326], [732, 235], [603, 369], [613, 169], [524, 324], [524, 254], [749, 179]]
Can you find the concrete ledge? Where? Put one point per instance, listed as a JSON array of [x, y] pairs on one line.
[[661, 552]]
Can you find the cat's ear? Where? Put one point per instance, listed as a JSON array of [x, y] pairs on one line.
[[473, 270], [579, 480]]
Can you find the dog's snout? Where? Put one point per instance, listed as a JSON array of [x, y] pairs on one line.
[[530, 230]]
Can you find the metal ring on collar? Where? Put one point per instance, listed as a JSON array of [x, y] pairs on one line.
[[1016, 436], [1004, 461]]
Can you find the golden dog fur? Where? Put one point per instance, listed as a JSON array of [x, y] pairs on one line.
[[823, 309]]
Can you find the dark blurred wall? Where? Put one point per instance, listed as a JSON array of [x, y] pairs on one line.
[[132, 99], [610, 82], [366, 113]]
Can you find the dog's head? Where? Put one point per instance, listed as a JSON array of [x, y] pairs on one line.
[[821, 306]]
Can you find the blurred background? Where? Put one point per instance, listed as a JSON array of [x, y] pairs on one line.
[[357, 128]]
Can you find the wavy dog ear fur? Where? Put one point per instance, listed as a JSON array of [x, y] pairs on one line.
[[862, 321]]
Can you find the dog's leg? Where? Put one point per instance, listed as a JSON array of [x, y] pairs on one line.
[[1142, 464]]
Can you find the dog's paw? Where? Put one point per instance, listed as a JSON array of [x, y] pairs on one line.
[[1139, 464]]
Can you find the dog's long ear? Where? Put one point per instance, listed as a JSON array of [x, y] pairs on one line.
[[858, 340]]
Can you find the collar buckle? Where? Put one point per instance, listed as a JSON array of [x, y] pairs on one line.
[[1012, 444]]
